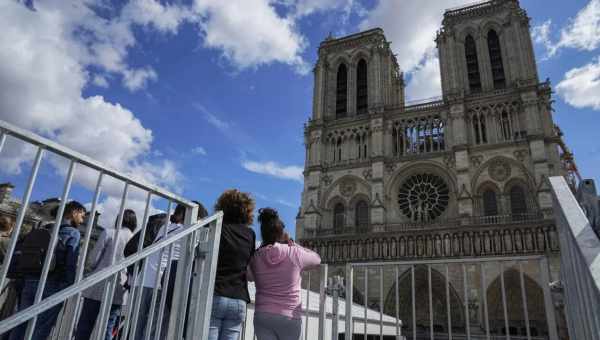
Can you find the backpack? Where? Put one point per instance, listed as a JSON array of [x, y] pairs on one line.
[[30, 254], [152, 228]]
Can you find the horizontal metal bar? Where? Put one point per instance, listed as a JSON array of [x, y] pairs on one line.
[[448, 261], [56, 148], [101, 275]]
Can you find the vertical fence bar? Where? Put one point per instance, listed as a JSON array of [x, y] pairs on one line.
[[466, 300], [51, 247], [448, 305], [307, 307], [524, 299], [183, 279], [349, 323], [335, 317], [84, 250], [21, 215], [365, 328], [430, 294], [414, 309], [381, 303], [109, 285], [548, 304], [136, 292], [484, 298], [322, 301], [157, 278], [163, 294], [205, 290], [397, 301], [2, 140], [504, 305]]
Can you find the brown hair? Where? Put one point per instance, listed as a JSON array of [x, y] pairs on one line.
[[237, 207], [6, 223]]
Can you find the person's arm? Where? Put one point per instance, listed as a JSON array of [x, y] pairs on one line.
[[72, 254], [306, 258], [249, 274]]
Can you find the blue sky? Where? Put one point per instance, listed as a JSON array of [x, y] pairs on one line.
[[207, 95]]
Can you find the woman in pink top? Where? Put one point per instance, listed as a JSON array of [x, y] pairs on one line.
[[275, 269]]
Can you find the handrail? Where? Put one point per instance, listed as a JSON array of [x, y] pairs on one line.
[[47, 144], [102, 275]]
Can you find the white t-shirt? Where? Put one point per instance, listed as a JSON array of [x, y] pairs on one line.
[[153, 260]]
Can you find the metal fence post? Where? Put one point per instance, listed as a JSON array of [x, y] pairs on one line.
[[322, 301], [349, 287]]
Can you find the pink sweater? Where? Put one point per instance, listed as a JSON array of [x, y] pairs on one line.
[[276, 272]]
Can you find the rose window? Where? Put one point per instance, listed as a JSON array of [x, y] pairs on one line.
[[423, 197]]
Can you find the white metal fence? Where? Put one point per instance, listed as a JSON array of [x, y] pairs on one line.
[[580, 264], [199, 241]]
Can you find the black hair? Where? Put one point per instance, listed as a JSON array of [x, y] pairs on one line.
[[271, 227], [129, 220], [202, 212], [178, 214], [71, 207]]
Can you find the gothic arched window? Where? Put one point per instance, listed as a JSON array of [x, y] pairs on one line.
[[496, 60], [361, 87], [361, 212], [339, 150], [506, 125], [518, 201], [339, 216], [341, 103], [490, 203], [472, 64]]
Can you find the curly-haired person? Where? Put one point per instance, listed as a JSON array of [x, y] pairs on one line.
[[235, 251]]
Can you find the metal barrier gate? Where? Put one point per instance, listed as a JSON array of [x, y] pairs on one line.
[[198, 242]]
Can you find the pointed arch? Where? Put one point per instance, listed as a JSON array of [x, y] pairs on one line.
[[361, 87], [472, 64], [339, 216], [495, 52], [361, 211], [341, 94]]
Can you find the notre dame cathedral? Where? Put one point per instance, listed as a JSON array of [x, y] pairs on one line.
[[463, 176]]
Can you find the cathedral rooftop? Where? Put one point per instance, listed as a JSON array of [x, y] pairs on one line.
[[331, 41]]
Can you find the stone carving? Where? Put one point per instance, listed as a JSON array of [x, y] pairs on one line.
[[499, 171], [326, 179], [347, 187], [390, 167], [368, 174], [449, 161], [476, 160], [521, 155]]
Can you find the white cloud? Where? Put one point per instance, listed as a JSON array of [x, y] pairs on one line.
[[199, 151], [425, 81], [541, 33], [137, 79], [581, 86], [100, 81], [410, 26], [583, 32], [216, 122], [165, 18], [270, 168], [44, 60], [251, 33], [287, 203]]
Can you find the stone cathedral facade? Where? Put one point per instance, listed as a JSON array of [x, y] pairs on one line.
[[462, 176]]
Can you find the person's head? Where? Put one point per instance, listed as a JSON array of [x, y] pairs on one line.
[[6, 224], [178, 215], [271, 227], [202, 213], [88, 216], [129, 220], [237, 207], [75, 212]]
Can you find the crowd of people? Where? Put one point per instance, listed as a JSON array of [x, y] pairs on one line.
[[274, 266]]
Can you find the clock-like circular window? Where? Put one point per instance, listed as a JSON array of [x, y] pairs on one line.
[[423, 197]]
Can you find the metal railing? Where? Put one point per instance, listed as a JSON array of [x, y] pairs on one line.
[[453, 299], [189, 308], [580, 263]]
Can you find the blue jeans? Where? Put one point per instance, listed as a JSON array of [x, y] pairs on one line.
[[89, 313], [47, 319], [226, 319], [143, 316]]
